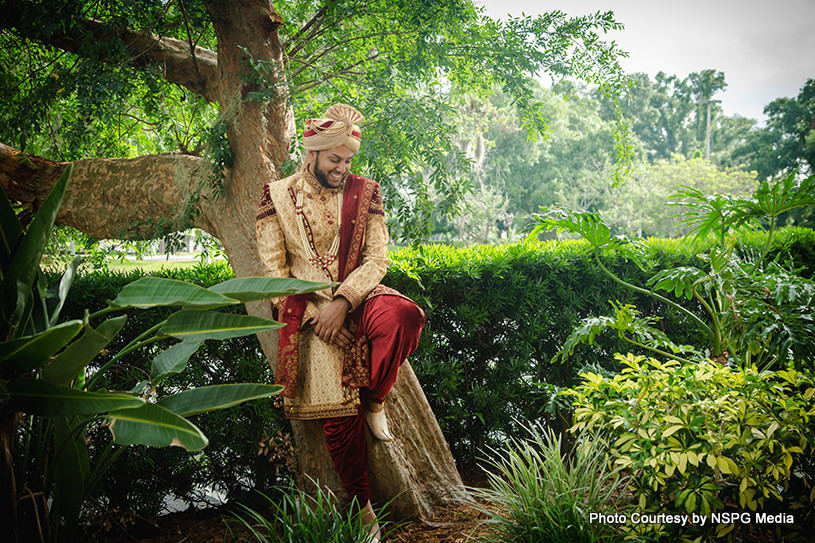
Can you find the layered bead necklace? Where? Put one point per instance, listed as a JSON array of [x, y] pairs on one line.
[[314, 258]]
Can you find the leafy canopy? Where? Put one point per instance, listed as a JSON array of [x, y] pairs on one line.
[[73, 88]]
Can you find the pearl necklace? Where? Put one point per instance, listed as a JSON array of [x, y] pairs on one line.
[[314, 258]]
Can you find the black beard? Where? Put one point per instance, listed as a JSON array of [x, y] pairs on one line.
[[321, 178]]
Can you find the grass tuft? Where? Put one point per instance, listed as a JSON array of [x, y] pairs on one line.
[[295, 516], [540, 493]]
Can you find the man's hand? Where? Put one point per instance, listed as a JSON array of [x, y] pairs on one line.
[[329, 325]]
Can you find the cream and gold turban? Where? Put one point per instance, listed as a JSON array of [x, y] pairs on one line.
[[339, 127]]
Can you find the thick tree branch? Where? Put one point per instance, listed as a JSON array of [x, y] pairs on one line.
[[193, 68], [109, 197]]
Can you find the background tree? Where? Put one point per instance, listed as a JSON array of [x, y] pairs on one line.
[[787, 143], [570, 163], [637, 208], [664, 115], [197, 103]]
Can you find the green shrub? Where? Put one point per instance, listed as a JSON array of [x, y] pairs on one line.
[[544, 493], [758, 309], [702, 438], [498, 315]]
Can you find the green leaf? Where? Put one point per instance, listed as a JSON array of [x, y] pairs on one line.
[[40, 397], [68, 363], [64, 286], [679, 280], [28, 353], [249, 289], [672, 430], [193, 325], [211, 398], [172, 360], [773, 199], [158, 291], [588, 225], [155, 426], [18, 280], [71, 466]]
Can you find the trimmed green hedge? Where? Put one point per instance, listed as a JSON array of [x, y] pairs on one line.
[[496, 317]]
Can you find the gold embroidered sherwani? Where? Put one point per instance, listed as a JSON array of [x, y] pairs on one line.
[[283, 248]]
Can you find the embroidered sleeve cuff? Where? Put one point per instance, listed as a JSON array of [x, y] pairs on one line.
[[310, 313], [347, 292]]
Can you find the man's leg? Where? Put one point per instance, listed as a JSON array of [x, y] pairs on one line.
[[392, 325], [347, 444], [345, 439]]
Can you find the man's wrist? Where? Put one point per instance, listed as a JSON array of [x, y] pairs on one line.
[[343, 300]]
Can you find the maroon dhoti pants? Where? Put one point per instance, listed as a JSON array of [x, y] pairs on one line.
[[392, 325]]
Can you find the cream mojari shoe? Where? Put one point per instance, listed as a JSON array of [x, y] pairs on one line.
[[378, 423]]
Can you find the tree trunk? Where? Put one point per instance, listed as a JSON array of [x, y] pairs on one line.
[[110, 197]]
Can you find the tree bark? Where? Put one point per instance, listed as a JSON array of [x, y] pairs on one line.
[[107, 197], [110, 197]]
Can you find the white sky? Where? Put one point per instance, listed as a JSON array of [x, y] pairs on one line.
[[766, 49]]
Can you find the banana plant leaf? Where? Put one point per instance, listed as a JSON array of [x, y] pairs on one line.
[[172, 360], [71, 465], [18, 279], [156, 426], [157, 291], [211, 398], [28, 353], [249, 289], [40, 397], [65, 366], [62, 290], [193, 325]]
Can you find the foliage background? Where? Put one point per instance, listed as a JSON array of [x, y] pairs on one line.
[[497, 315]]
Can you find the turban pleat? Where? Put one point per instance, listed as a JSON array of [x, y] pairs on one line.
[[339, 127]]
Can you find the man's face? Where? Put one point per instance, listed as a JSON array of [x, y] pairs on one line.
[[332, 165]]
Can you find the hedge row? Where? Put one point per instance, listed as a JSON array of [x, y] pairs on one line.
[[496, 317]]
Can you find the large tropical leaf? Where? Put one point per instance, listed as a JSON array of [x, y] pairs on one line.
[[773, 199], [155, 426], [249, 289], [194, 325], [30, 352], [40, 397], [62, 290], [211, 398], [18, 280], [71, 465], [158, 291], [172, 360], [588, 225], [68, 363]]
